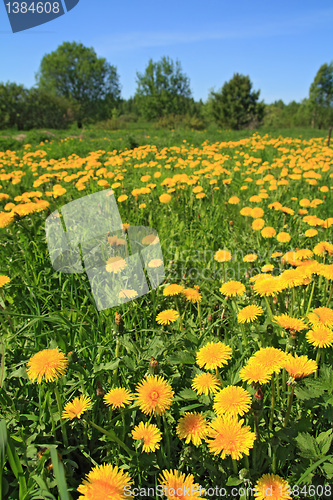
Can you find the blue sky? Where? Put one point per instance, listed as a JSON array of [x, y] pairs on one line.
[[280, 44]]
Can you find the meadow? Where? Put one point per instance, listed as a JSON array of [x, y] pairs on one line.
[[217, 382]]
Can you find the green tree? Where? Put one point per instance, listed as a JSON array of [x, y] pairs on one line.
[[12, 105], [321, 97], [46, 110], [163, 89], [236, 105], [74, 72]]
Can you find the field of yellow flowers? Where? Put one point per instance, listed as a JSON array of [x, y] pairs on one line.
[[218, 383]]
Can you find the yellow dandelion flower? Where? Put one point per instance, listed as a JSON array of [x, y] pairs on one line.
[[222, 256], [213, 355], [127, 293], [271, 358], [246, 211], [310, 233], [303, 254], [322, 247], [267, 268], [272, 487], [267, 286], [154, 395], [255, 373], [232, 399], [289, 323], [6, 219], [155, 263], [4, 280], [118, 397], [115, 264], [176, 485], [172, 290], [258, 224], [320, 336], [149, 434], [106, 482], [191, 295], [75, 408], [299, 367], [326, 270], [257, 213], [165, 198], [205, 383], [233, 200], [192, 427], [283, 237], [321, 316], [249, 313], [48, 364], [233, 288], [166, 317], [268, 232], [150, 239], [251, 257], [230, 437], [122, 197]]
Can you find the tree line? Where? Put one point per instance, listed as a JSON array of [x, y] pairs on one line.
[[74, 85]]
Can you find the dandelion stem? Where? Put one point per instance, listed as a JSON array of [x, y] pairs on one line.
[[116, 355], [317, 360], [277, 380], [234, 466], [63, 427], [167, 436], [330, 296], [269, 308], [290, 401], [256, 427], [219, 376], [310, 299], [271, 417], [274, 461], [112, 436], [180, 316]]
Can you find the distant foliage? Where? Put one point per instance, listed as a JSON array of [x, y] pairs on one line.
[[163, 89], [294, 114], [13, 100], [180, 121], [74, 72], [321, 97], [26, 109], [236, 105]]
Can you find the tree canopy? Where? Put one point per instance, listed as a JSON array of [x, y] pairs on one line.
[[236, 105], [321, 96], [74, 72], [163, 89]]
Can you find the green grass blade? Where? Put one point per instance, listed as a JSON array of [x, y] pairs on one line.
[[16, 467], [59, 474]]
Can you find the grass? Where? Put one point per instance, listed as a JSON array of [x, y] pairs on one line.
[[288, 422]]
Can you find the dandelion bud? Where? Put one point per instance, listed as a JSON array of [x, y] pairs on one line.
[[153, 365], [259, 394], [118, 319]]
